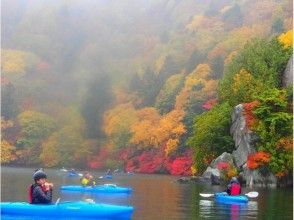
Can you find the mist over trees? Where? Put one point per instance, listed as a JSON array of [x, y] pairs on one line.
[[85, 81]]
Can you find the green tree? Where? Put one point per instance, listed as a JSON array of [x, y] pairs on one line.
[[35, 128], [265, 60], [166, 98], [211, 134], [275, 128]]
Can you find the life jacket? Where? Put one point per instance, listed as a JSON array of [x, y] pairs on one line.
[[30, 192], [235, 189]]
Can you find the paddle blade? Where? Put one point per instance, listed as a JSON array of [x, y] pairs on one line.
[[57, 201], [252, 194], [206, 195]]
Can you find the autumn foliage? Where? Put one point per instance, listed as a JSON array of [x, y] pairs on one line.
[[250, 119], [258, 159], [209, 104], [156, 162], [227, 170]]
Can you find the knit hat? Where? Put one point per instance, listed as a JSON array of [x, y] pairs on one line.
[[39, 174]]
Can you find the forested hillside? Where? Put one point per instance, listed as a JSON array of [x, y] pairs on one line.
[[144, 85]]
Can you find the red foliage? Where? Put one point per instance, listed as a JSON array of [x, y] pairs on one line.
[[223, 165], [258, 159], [155, 161], [182, 166], [209, 104], [248, 114], [151, 161], [98, 162]]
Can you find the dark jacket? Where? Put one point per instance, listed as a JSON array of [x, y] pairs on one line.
[[39, 196]]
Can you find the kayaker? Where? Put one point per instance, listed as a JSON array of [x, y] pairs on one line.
[[41, 191], [109, 172], [88, 180], [234, 188]]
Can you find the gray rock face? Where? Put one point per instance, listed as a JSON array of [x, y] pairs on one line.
[[259, 177], [224, 157], [213, 172], [287, 78], [243, 137]]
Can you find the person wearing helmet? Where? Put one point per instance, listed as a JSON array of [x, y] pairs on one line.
[[234, 187], [87, 180], [41, 191]]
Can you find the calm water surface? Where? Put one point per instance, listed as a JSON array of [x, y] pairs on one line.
[[157, 197]]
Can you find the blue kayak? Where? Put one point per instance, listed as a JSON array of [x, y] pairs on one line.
[[225, 198], [106, 177], [106, 188], [66, 209]]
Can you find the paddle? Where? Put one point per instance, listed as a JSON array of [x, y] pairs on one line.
[[57, 201], [250, 194]]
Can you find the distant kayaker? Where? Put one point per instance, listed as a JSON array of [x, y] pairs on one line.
[[88, 180], [234, 188], [41, 191], [109, 172]]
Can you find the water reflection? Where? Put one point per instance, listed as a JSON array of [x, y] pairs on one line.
[[111, 198], [209, 209]]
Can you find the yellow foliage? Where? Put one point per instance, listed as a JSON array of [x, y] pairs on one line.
[[118, 118], [149, 113], [231, 172], [144, 134], [286, 39], [50, 155], [193, 170], [171, 146], [13, 61], [160, 63], [209, 89], [241, 79], [7, 152], [6, 123], [151, 130], [198, 86], [195, 23]]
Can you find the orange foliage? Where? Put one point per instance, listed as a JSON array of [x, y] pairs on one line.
[[258, 159], [281, 174], [248, 114], [230, 57], [285, 143], [200, 78], [216, 52], [208, 159]]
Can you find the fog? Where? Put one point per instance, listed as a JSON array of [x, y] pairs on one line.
[[92, 56]]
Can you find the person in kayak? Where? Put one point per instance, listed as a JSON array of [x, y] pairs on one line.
[[234, 188], [88, 180], [41, 191], [109, 172]]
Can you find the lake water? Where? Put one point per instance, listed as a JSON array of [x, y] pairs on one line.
[[157, 197]]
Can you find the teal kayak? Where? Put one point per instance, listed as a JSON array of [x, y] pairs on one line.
[[106, 188], [225, 198], [78, 209]]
